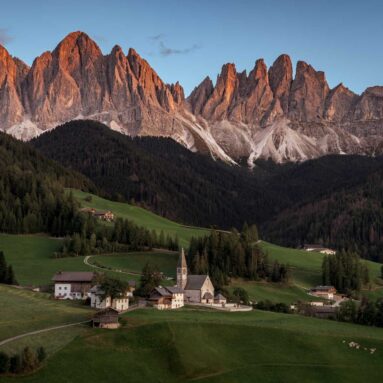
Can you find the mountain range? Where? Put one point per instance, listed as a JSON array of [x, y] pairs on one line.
[[267, 113]]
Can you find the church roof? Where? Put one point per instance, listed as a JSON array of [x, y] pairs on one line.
[[182, 259], [195, 282], [220, 296]]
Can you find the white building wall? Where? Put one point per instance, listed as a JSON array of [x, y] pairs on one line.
[[177, 301], [121, 304], [97, 302], [63, 291]]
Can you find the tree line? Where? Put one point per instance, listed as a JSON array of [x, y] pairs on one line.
[[7, 275], [345, 271], [235, 254], [124, 235], [368, 312], [32, 195], [25, 362]]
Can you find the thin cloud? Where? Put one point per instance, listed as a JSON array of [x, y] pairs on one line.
[[158, 37], [167, 51], [5, 37]]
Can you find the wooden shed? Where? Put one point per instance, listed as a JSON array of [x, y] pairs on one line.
[[107, 318]]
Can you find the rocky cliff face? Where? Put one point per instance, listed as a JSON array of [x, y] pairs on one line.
[[266, 113], [270, 114]]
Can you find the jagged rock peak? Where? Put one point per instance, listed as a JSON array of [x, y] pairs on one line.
[[259, 71], [78, 40], [116, 50], [308, 94], [280, 78], [200, 94], [177, 92]]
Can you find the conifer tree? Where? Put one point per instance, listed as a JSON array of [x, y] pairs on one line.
[[3, 268]]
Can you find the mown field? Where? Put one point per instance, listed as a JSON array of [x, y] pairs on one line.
[[141, 217], [207, 346], [23, 311]]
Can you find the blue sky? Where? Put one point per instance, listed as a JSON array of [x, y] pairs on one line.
[[187, 40]]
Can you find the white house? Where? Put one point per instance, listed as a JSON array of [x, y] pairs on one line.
[[72, 284], [99, 301]]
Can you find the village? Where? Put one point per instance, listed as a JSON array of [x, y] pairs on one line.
[[191, 290]]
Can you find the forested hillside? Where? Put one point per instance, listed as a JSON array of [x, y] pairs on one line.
[[157, 173], [32, 197], [351, 219], [334, 200]]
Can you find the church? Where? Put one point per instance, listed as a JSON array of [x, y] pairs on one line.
[[197, 288]]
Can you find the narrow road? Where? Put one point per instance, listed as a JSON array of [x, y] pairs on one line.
[[86, 261], [40, 331]]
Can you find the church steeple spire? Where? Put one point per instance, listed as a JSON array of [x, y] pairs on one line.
[[182, 271]]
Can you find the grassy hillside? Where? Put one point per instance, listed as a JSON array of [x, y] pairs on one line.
[[190, 345], [134, 262], [142, 217], [24, 311], [31, 257], [305, 273]]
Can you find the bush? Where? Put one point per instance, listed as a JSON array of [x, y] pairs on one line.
[[270, 306], [4, 363], [29, 360], [240, 295], [41, 354], [15, 364]]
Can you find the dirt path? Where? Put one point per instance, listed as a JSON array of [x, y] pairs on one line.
[[86, 261], [39, 332]]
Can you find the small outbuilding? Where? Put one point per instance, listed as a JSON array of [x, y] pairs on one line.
[[220, 299], [207, 298], [107, 318]]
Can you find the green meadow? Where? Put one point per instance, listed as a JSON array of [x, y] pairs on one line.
[[184, 345], [207, 346], [31, 257], [23, 311], [141, 217]]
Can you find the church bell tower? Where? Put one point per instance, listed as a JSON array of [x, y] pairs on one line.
[[182, 271]]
